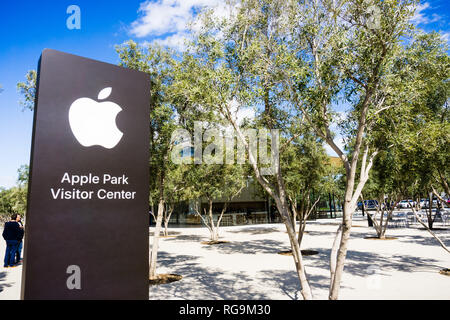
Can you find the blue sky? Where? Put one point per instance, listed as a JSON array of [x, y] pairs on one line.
[[27, 27]]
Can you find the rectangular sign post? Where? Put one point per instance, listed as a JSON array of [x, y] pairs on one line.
[[87, 229]]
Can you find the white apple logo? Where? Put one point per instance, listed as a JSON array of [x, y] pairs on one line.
[[94, 123]]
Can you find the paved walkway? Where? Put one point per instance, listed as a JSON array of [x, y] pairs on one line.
[[249, 266], [10, 278]]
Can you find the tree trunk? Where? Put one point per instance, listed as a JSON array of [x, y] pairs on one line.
[[444, 183], [166, 227], [330, 205], [334, 207], [214, 234], [380, 233], [219, 220], [298, 260], [429, 230], [206, 221], [301, 225], [304, 216], [152, 211], [281, 203], [167, 216], [390, 211], [443, 202], [363, 207], [295, 246], [335, 284], [430, 211], [333, 254], [155, 244], [351, 199]]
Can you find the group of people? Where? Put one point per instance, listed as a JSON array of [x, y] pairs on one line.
[[13, 233]]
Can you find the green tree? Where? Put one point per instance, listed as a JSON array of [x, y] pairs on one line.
[[295, 62], [426, 129], [387, 187], [28, 90], [273, 55], [214, 183], [345, 56], [304, 164], [14, 200], [20, 192], [415, 135], [6, 205], [175, 192], [239, 62], [422, 129], [158, 63]]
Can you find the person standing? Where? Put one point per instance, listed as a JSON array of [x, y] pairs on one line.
[[11, 233], [19, 248]]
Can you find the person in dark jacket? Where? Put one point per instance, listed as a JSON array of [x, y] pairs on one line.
[[12, 233], [19, 247]]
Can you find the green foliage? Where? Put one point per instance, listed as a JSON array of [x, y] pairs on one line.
[[288, 60], [6, 203], [159, 64], [28, 90], [416, 132], [305, 168], [14, 200], [215, 182]]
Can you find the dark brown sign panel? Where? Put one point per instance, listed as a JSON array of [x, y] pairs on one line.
[[87, 220]]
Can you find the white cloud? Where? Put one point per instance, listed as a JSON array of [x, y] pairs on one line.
[[420, 17], [167, 16], [175, 41], [167, 21], [445, 36], [240, 113]]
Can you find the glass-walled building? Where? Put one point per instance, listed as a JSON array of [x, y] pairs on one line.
[[252, 206]]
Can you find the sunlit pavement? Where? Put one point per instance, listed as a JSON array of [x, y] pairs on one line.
[[249, 267], [10, 278]]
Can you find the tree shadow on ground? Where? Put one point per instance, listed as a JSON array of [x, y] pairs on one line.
[[200, 283], [256, 231], [289, 284], [3, 285], [313, 233], [186, 237], [249, 247], [168, 260], [363, 264], [427, 239]]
